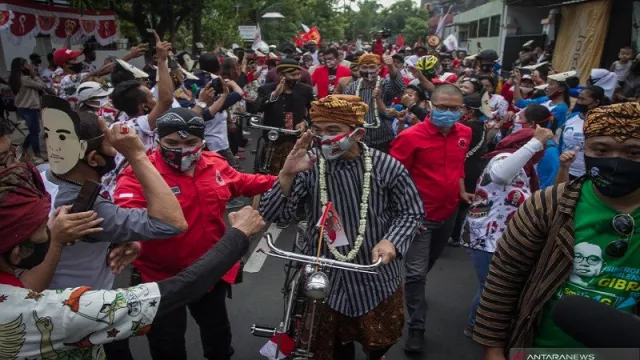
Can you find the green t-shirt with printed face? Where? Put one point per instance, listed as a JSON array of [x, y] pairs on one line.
[[615, 282]]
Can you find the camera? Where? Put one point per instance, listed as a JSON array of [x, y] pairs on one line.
[[386, 33]]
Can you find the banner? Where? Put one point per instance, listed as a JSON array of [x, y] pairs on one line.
[[580, 41], [635, 28]]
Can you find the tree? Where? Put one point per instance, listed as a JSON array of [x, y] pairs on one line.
[[415, 29]]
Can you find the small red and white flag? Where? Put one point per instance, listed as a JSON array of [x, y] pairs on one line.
[[271, 347]]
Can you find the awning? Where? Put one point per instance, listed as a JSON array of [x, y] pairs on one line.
[[24, 19]]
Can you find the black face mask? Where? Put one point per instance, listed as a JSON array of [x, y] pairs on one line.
[[76, 68], [291, 83], [581, 108], [613, 177], [487, 68], [110, 164], [38, 253]]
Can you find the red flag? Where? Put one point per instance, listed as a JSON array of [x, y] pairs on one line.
[[400, 41]]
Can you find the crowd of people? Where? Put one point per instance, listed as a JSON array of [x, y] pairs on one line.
[[413, 149]]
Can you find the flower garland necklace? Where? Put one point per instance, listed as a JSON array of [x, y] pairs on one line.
[[364, 204], [375, 106]]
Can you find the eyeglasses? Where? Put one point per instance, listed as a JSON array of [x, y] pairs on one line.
[[446, 108], [591, 259], [625, 226]]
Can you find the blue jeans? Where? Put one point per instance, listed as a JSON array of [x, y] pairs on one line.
[[32, 118], [481, 262]]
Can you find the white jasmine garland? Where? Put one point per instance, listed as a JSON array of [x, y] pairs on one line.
[[375, 107], [364, 204]]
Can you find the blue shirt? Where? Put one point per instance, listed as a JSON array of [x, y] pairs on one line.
[[559, 111], [549, 165]]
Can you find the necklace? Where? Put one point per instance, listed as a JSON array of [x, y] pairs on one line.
[[364, 204], [65, 179], [375, 107]]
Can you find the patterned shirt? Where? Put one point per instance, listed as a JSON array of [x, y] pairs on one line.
[[390, 89], [395, 213]]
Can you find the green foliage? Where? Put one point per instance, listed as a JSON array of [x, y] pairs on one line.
[[217, 21]]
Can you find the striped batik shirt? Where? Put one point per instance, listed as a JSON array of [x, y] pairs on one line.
[[391, 88], [395, 214], [533, 259]]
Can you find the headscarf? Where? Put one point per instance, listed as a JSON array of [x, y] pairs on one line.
[[366, 59], [24, 202], [181, 120], [620, 121], [606, 79], [511, 144], [345, 109], [287, 66]]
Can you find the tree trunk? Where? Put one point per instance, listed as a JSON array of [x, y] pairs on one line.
[[196, 25]]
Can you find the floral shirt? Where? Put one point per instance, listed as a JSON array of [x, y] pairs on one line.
[[493, 206], [73, 323], [499, 107], [67, 86]]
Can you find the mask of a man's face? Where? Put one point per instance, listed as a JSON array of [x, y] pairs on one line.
[[64, 148], [188, 62]]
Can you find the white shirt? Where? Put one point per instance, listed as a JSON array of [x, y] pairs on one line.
[[154, 92], [215, 132], [572, 139]]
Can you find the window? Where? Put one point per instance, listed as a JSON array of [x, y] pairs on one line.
[[494, 29], [473, 29], [463, 32], [483, 28]]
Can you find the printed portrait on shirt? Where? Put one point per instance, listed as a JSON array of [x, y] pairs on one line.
[[514, 198], [587, 263], [60, 122], [480, 207]]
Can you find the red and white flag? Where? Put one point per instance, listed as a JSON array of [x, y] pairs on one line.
[[270, 349]]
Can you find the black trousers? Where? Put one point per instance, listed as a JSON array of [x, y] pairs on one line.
[[166, 337]]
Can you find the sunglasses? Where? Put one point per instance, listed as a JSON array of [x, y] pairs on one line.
[[625, 226]]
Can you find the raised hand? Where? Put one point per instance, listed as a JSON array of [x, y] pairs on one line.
[[124, 139], [543, 134], [568, 157], [298, 160], [162, 47]]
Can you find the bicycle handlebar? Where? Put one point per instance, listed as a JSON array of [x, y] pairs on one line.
[[368, 269], [254, 121]]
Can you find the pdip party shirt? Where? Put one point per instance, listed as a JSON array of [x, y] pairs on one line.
[[615, 282]]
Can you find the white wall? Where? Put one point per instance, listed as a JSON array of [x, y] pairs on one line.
[[483, 11]]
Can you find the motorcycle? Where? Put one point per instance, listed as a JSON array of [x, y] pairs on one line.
[[306, 287]]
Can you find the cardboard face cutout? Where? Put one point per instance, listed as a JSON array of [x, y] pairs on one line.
[[64, 147], [486, 107], [188, 62]]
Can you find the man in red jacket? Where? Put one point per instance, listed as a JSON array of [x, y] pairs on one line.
[[203, 182], [326, 77]]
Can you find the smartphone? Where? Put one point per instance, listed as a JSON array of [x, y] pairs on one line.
[[151, 41], [86, 197]]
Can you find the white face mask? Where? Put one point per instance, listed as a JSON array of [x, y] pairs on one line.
[[334, 146]]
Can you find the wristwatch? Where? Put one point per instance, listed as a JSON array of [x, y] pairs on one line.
[[201, 104]]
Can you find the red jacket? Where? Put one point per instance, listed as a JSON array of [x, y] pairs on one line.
[[202, 198], [435, 163], [320, 78]]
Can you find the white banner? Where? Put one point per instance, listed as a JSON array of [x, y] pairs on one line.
[[247, 32]]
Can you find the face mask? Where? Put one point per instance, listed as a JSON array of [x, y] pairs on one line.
[[333, 147], [291, 83], [369, 75], [517, 126], [181, 159], [331, 63], [525, 90], [581, 108], [487, 68], [76, 68], [613, 177], [38, 253], [445, 119]]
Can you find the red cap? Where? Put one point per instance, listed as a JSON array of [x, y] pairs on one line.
[[60, 56]]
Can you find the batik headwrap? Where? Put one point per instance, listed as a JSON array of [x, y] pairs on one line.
[[24, 202], [180, 120], [620, 121], [345, 109], [366, 59]]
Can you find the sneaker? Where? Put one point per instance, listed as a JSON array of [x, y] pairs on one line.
[[234, 204], [453, 243], [468, 331], [37, 160], [241, 149], [240, 157], [246, 133], [282, 225], [415, 342]]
